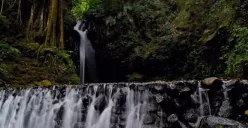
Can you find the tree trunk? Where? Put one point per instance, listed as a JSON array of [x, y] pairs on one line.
[[19, 13], [61, 19], [2, 7]]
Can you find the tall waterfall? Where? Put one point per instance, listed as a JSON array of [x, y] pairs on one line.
[[87, 55]]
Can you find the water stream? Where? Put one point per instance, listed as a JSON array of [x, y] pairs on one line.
[[203, 94], [87, 55]]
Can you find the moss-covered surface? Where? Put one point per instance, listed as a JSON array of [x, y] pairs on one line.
[[31, 48], [35, 65]]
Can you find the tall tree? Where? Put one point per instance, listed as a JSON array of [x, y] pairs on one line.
[[43, 18]]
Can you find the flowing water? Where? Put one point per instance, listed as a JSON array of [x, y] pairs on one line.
[[203, 94], [73, 108], [225, 89], [87, 55]]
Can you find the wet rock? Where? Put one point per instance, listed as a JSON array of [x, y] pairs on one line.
[[141, 88], [184, 91], [159, 98], [211, 81], [149, 119], [114, 118], [119, 98], [216, 122], [240, 103], [172, 118], [191, 115], [177, 104], [225, 109], [159, 88], [151, 107], [194, 98], [86, 100], [244, 82], [206, 108], [123, 116], [150, 126], [100, 90], [62, 90], [116, 110], [182, 125], [100, 103]]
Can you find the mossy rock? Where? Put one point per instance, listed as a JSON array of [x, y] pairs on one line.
[[44, 83], [29, 46]]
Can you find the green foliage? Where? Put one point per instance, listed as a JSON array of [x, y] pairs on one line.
[[63, 55], [79, 7], [74, 79], [44, 83], [238, 58], [8, 53], [163, 39]]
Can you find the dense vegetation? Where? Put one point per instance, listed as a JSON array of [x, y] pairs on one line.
[[32, 43], [134, 40], [172, 39]]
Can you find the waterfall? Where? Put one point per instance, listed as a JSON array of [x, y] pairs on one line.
[[107, 105], [203, 92], [225, 89], [53, 108], [87, 55]]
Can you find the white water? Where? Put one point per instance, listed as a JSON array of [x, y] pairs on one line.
[[87, 55], [48, 108], [37, 109], [136, 110], [225, 89], [203, 92]]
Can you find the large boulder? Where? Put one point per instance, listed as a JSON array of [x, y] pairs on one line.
[[100, 103], [225, 109], [211, 82], [219, 122]]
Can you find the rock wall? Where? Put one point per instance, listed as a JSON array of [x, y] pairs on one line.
[[176, 104]]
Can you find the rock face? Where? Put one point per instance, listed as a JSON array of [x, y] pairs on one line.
[[211, 81], [225, 109], [176, 104], [219, 122]]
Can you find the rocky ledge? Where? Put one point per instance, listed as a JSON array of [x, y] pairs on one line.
[[210, 103]]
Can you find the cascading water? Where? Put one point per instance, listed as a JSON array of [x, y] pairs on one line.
[[87, 55], [110, 105], [203, 92], [225, 89], [53, 108]]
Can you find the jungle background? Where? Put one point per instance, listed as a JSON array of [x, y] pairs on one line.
[[134, 40]]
